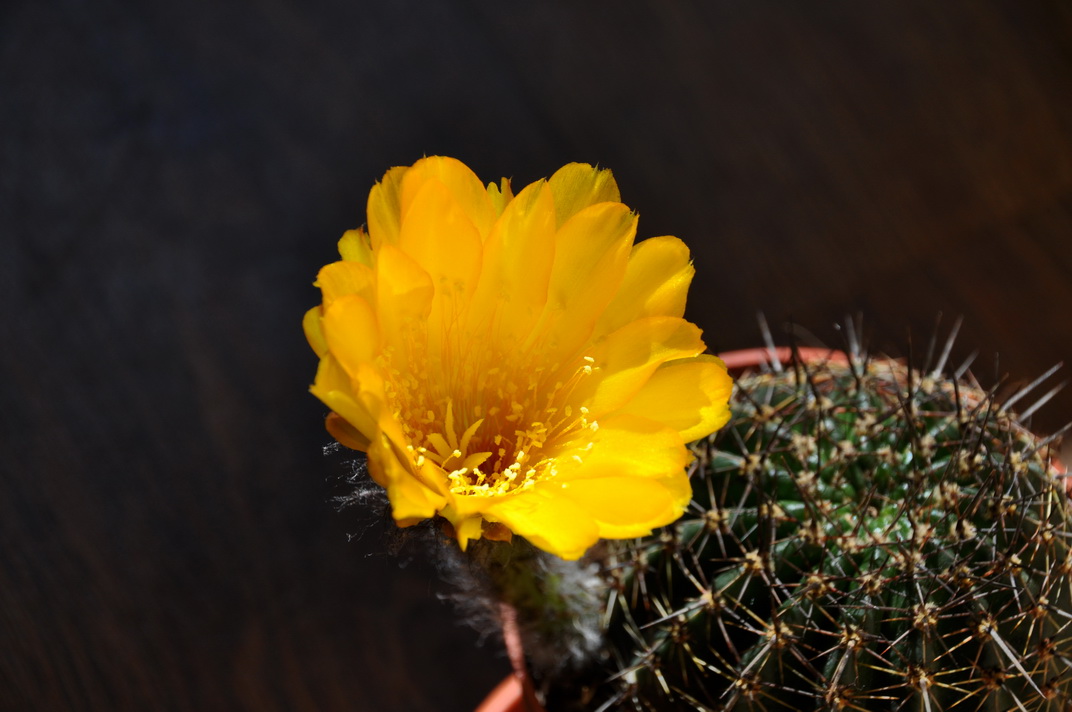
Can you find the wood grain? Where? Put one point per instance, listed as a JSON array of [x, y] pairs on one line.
[[173, 174]]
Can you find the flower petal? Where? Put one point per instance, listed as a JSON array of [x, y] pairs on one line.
[[578, 185], [410, 499], [345, 433], [313, 333], [468, 529], [339, 279], [442, 239], [330, 376], [625, 507], [623, 443], [354, 247], [550, 521], [384, 210], [352, 332], [591, 254], [518, 256], [689, 395], [500, 195], [656, 283], [462, 184], [403, 293], [335, 389], [626, 359]]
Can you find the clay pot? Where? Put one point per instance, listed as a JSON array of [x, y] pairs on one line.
[[506, 697], [737, 361]]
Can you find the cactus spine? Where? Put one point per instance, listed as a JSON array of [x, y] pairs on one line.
[[862, 537]]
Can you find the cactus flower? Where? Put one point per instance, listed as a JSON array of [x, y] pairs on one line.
[[515, 363]]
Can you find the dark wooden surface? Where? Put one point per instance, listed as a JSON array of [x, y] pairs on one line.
[[173, 174]]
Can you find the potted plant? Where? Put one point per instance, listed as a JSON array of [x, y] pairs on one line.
[[518, 372]]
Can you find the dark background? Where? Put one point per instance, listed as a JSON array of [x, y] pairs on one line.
[[173, 175]]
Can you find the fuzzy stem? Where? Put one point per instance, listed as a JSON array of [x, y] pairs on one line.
[[550, 609]]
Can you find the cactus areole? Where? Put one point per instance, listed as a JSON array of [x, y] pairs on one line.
[[862, 537]]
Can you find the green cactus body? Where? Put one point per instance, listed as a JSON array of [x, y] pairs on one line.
[[861, 538]]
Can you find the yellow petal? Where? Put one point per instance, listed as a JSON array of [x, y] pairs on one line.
[[548, 520], [579, 185], [384, 209], [656, 283], [500, 195], [313, 333], [360, 400], [623, 443], [468, 529], [346, 433], [334, 387], [367, 390], [463, 185], [403, 293], [330, 376], [433, 477], [625, 507], [349, 410], [591, 253], [627, 358], [354, 246], [690, 396], [440, 237], [339, 279], [352, 332], [410, 498], [592, 246], [517, 265]]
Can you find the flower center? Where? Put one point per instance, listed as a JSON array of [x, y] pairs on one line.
[[493, 420]]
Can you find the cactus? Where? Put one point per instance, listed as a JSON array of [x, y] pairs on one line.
[[862, 537]]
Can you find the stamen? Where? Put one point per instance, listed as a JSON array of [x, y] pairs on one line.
[[506, 414]]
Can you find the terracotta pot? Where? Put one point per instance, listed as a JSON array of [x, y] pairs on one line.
[[506, 697], [737, 361]]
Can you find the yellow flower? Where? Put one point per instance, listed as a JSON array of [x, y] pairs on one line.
[[515, 363]]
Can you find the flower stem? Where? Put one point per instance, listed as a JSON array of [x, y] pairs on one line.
[[549, 608]]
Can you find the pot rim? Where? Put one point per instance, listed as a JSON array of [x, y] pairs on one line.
[[760, 355], [506, 697]]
